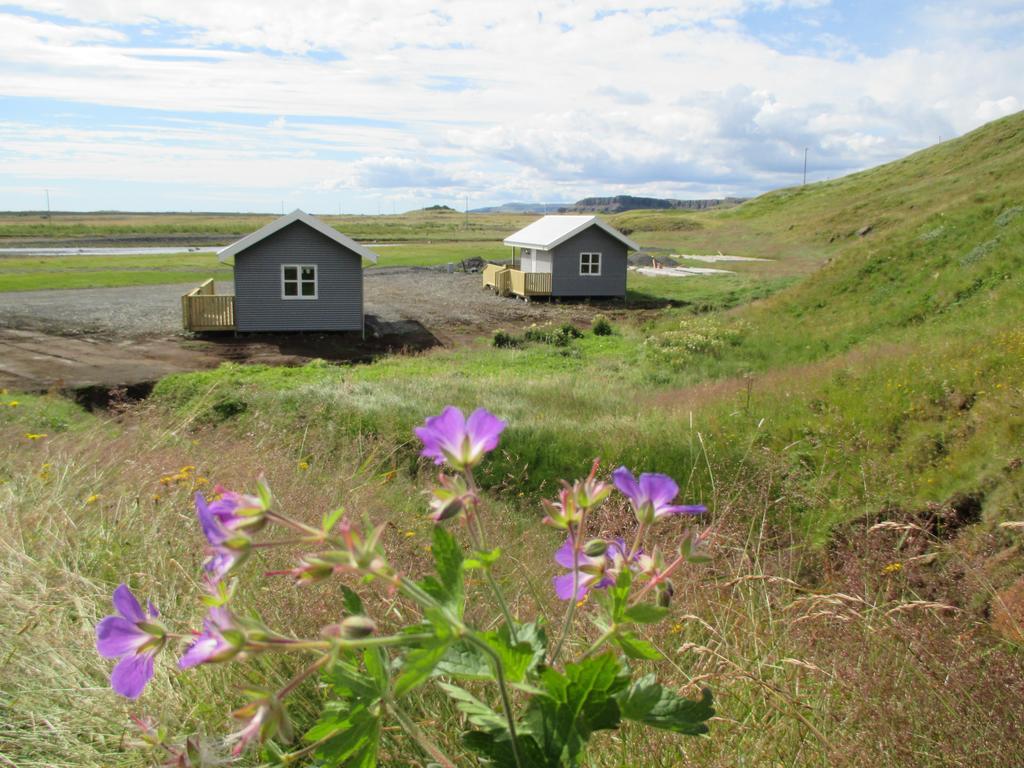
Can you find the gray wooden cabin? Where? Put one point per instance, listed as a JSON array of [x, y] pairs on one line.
[[571, 256], [295, 274]]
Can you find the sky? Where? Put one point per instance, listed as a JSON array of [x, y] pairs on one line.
[[361, 106]]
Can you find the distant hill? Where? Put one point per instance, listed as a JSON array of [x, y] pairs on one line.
[[523, 208], [616, 204], [621, 203]]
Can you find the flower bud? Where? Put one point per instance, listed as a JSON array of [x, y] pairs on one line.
[[595, 547], [665, 593], [357, 627]]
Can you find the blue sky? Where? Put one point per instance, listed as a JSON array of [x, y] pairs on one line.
[[244, 105]]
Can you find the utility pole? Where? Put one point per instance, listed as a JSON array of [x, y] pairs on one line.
[[805, 167], [467, 212], [48, 205]]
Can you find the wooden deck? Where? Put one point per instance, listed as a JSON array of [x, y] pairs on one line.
[[203, 310], [506, 281]]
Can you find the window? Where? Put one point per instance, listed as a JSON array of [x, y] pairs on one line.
[[298, 281], [590, 263]]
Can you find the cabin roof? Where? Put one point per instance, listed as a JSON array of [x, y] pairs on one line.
[[229, 251], [549, 231]]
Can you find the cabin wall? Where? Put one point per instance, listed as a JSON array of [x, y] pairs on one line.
[[258, 302], [566, 279]]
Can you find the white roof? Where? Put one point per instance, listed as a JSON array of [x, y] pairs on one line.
[[548, 231], [238, 246]]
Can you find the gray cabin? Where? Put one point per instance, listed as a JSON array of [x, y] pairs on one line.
[[572, 256], [297, 274]]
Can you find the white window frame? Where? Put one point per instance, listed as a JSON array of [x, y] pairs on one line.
[[590, 264], [299, 282]]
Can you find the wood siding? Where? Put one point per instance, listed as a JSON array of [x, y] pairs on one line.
[[566, 278], [258, 302]]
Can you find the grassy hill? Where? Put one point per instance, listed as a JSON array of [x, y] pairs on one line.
[[885, 386]]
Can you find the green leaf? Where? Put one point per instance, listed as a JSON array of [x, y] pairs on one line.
[[352, 602], [644, 613], [482, 559], [618, 595], [577, 703], [636, 647], [465, 662], [686, 550], [649, 702], [418, 665], [478, 713], [330, 519], [377, 665], [499, 751], [519, 658], [352, 735], [349, 682]]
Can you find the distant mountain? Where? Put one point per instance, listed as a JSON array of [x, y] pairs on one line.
[[610, 205], [523, 208], [629, 203]]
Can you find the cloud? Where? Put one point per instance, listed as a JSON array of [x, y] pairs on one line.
[[486, 98]]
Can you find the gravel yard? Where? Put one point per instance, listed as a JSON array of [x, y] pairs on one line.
[[122, 336], [448, 305]]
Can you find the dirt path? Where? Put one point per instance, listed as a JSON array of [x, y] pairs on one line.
[[108, 337]]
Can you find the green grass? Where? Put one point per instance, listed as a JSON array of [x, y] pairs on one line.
[[884, 386]]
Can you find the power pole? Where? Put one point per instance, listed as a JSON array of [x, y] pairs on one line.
[[47, 205], [467, 212], [805, 167]]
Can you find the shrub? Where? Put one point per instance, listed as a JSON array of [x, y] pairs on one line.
[[505, 340], [695, 337], [601, 326]]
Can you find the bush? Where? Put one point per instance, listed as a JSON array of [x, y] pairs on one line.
[[694, 338], [601, 326], [505, 340], [559, 337]]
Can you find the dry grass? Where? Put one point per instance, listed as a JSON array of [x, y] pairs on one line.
[[815, 659]]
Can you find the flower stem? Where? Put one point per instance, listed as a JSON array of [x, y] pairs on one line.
[[607, 635], [478, 534], [506, 700], [294, 683], [277, 517], [418, 736]]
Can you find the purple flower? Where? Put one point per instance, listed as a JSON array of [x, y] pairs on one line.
[[652, 495], [594, 572], [220, 640], [133, 637], [221, 524], [451, 437]]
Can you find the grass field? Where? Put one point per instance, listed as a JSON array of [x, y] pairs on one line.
[[803, 406]]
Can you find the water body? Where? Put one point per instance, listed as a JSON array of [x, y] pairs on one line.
[[129, 251]]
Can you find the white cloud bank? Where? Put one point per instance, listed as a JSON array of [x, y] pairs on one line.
[[492, 99]]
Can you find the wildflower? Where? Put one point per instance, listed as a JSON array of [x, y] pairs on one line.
[[651, 496], [410, 534], [187, 470], [228, 546], [200, 482], [35, 435], [135, 638], [892, 568], [220, 640], [266, 718], [451, 498], [593, 571], [451, 437], [13, 404], [303, 465], [92, 498]]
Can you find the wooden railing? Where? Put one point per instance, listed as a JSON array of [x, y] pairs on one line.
[[505, 280], [203, 310]]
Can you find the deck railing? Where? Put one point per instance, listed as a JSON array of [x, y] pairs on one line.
[[505, 280], [203, 310]]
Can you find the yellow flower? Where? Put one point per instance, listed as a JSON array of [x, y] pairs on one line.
[[676, 629], [13, 403], [892, 568], [200, 481], [410, 534], [35, 435], [93, 498], [188, 469], [583, 601], [303, 465], [166, 480], [156, 497]]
